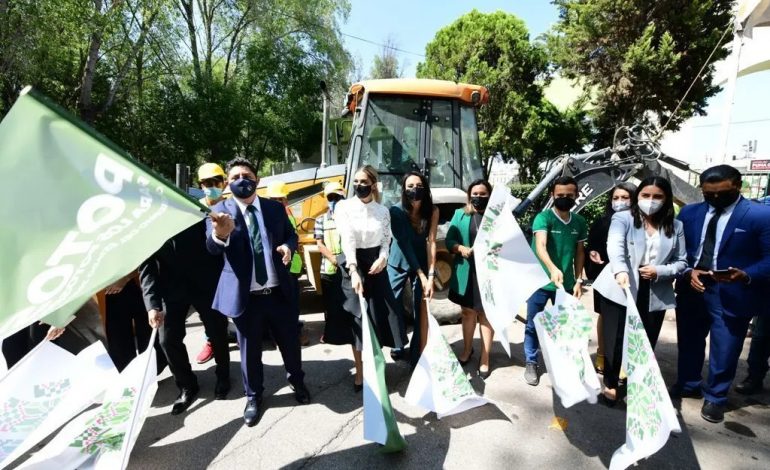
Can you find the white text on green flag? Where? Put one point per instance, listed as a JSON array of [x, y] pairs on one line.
[[84, 215]]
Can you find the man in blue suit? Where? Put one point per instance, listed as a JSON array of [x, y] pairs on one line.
[[728, 251], [255, 288]]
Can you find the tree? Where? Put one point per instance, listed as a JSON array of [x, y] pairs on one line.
[[386, 64], [639, 57], [181, 81], [494, 50]]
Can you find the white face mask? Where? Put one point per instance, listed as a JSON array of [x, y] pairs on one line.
[[621, 205], [649, 206]]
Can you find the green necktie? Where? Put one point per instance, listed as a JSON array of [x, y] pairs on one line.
[[260, 270]]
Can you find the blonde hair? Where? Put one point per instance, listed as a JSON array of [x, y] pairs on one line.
[[373, 176]]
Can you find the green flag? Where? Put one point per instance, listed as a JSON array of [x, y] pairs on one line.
[[79, 213]]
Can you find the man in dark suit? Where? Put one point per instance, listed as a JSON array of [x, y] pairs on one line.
[[180, 274], [255, 289], [728, 251]]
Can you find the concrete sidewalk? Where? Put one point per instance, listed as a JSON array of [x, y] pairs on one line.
[[514, 432]]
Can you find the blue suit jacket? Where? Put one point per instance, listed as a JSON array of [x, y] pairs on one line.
[[232, 293], [745, 245]]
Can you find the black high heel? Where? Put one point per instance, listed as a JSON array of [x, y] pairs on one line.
[[484, 374], [470, 356], [357, 388]]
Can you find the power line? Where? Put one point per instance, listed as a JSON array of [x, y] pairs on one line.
[[382, 45], [732, 123]]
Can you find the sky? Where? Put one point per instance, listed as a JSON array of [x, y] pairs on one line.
[[411, 24]]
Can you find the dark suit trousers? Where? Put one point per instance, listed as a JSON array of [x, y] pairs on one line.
[[281, 315], [697, 316], [759, 351], [613, 320], [16, 346], [172, 335], [126, 327]]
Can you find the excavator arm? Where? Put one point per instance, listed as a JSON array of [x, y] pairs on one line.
[[598, 172]]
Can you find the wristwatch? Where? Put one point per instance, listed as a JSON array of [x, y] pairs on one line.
[[580, 280]]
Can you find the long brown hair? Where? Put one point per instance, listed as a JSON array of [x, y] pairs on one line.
[[373, 176]]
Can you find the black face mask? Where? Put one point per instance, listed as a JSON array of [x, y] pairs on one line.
[[721, 199], [415, 194], [362, 190], [564, 203], [479, 202], [243, 188]]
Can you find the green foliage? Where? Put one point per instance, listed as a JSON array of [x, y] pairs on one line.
[[385, 64], [181, 81], [591, 212], [494, 50], [638, 58]]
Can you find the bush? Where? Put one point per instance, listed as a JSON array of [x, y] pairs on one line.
[[593, 211]]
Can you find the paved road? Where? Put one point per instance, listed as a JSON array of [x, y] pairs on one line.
[[515, 431]]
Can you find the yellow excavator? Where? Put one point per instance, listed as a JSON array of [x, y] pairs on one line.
[[396, 126]]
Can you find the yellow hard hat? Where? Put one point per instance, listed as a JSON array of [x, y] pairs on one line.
[[277, 189], [333, 187], [210, 170]]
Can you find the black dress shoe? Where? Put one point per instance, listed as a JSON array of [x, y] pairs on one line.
[[184, 400], [398, 355], [358, 387], [484, 374], [301, 394], [712, 412], [749, 386], [677, 391], [252, 411], [222, 388]]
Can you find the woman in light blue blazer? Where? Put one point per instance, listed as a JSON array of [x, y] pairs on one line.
[[646, 252]]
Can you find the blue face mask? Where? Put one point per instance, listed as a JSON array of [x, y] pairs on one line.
[[243, 188], [213, 193]]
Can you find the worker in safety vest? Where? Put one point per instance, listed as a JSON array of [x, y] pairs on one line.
[[277, 191]]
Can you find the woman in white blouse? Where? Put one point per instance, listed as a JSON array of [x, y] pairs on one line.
[[364, 228], [646, 251]]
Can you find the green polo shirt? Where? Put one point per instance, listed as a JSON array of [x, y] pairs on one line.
[[563, 238]]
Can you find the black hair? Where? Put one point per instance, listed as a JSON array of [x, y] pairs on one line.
[[426, 206], [240, 161], [630, 188], [664, 218], [564, 181], [482, 182], [719, 173]]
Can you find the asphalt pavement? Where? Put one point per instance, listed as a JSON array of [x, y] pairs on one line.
[[518, 430]]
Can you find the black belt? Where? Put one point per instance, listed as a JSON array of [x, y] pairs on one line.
[[265, 291]]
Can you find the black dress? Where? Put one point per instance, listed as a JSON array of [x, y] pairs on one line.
[[383, 311], [339, 324], [597, 241], [472, 296]]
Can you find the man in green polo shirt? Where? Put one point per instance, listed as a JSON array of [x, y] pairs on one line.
[[558, 243]]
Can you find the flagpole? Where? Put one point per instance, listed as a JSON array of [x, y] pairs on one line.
[[138, 401]]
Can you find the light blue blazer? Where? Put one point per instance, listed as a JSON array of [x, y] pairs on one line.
[[625, 250]]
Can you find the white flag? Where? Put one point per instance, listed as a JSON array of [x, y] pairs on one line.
[[439, 383], [102, 438], [45, 390], [563, 330], [379, 421], [507, 269], [650, 416]]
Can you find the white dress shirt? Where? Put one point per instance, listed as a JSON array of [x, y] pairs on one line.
[[721, 224], [651, 247], [362, 226], [272, 277]]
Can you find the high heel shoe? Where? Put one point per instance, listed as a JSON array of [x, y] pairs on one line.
[[484, 374], [462, 363], [358, 387]]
